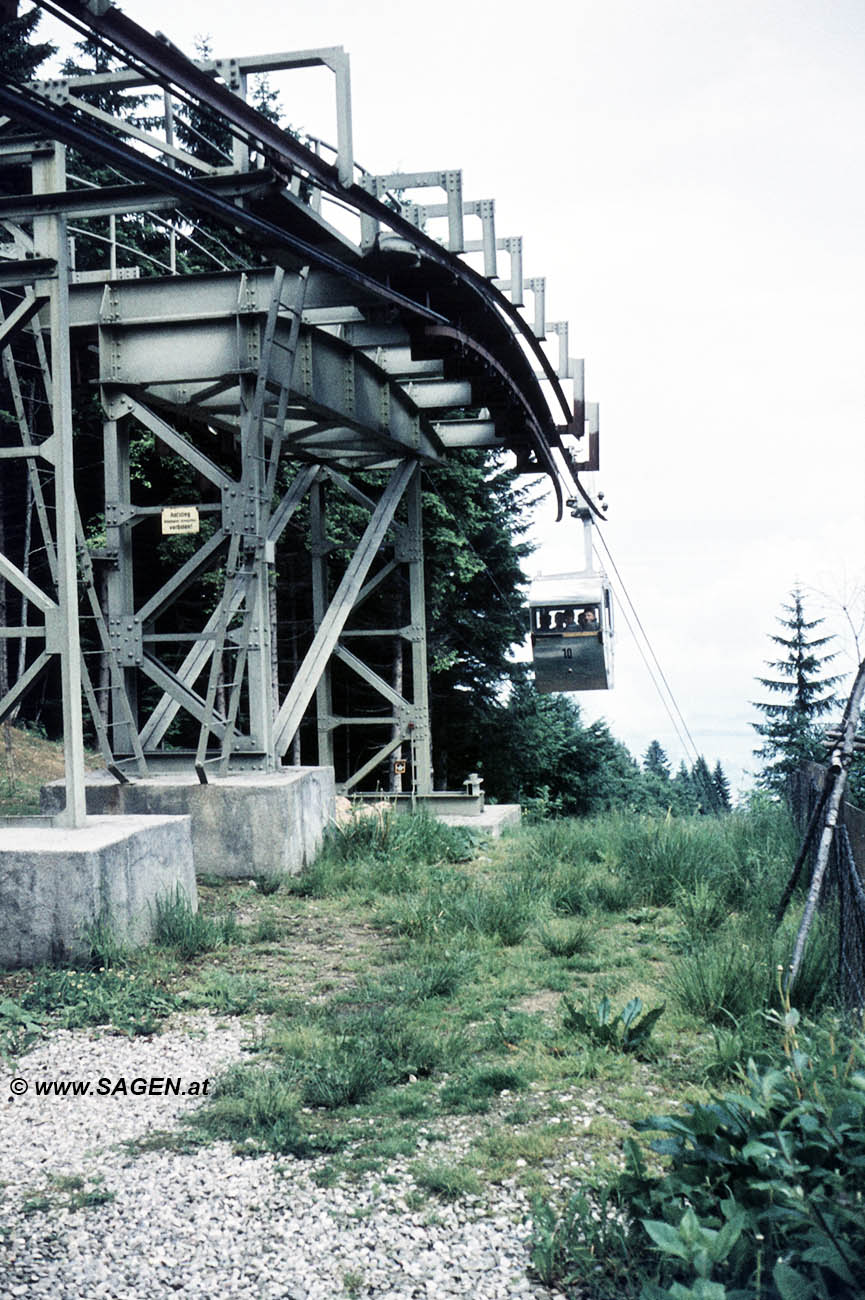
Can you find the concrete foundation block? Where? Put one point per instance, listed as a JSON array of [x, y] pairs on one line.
[[495, 818], [55, 884], [245, 824]]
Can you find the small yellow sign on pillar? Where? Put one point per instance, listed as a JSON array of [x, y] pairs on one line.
[[179, 519]]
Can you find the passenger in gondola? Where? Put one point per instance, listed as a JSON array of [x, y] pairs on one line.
[[544, 624], [588, 620], [560, 621], [570, 620]]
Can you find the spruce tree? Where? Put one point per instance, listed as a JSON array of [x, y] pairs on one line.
[[801, 694], [722, 788], [656, 761], [684, 792], [20, 55], [704, 787]]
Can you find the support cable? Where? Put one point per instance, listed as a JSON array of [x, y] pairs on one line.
[[649, 647]]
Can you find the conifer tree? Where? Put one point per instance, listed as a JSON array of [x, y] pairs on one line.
[[684, 792], [722, 788], [801, 694], [656, 762], [20, 55], [704, 787]]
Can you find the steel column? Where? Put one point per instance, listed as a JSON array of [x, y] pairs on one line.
[[49, 237], [421, 741], [318, 547]]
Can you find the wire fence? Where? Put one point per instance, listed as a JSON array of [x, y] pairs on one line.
[[843, 888]]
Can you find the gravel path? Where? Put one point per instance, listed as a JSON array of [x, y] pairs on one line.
[[212, 1222]]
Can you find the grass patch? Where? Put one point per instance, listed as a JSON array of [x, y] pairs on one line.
[[405, 983], [67, 1192], [233, 994], [567, 938], [35, 762], [187, 933], [258, 1110], [472, 1093], [449, 1182], [125, 999]]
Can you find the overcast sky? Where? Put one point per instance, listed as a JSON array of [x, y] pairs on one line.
[[687, 174]]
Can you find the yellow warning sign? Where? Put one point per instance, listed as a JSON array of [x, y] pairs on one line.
[[179, 519]]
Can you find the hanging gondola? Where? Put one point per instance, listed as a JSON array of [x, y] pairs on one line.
[[572, 632]]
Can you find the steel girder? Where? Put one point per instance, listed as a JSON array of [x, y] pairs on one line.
[[375, 353]]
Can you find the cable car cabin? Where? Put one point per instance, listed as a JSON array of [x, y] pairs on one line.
[[572, 632]]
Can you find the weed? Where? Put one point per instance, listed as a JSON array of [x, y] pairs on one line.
[[266, 930], [268, 882], [433, 974], [105, 949], [257, 1108], [125, 999], [19, 1027], [233, 994], [611, 892], [502, 913], [67, 1192], [188, 933], [325, 1175], [701, 909], [625, 1031], [569, 890], [587, 1242], [742, 1040], [471, 1093], [449, 1182], [353, 1282], [343, 1078], [405, 1102], [567, 939], [726, 979]]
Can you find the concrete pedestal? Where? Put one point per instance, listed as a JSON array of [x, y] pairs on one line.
[[56, 884], [495, 818], [246, 824]]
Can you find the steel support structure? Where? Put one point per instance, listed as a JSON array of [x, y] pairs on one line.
[[405, 717], [322, 363], [49, 251]]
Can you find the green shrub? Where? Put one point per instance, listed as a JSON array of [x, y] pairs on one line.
[[761, 1197]]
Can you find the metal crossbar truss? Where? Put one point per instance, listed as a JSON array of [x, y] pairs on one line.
[[343, 339]]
